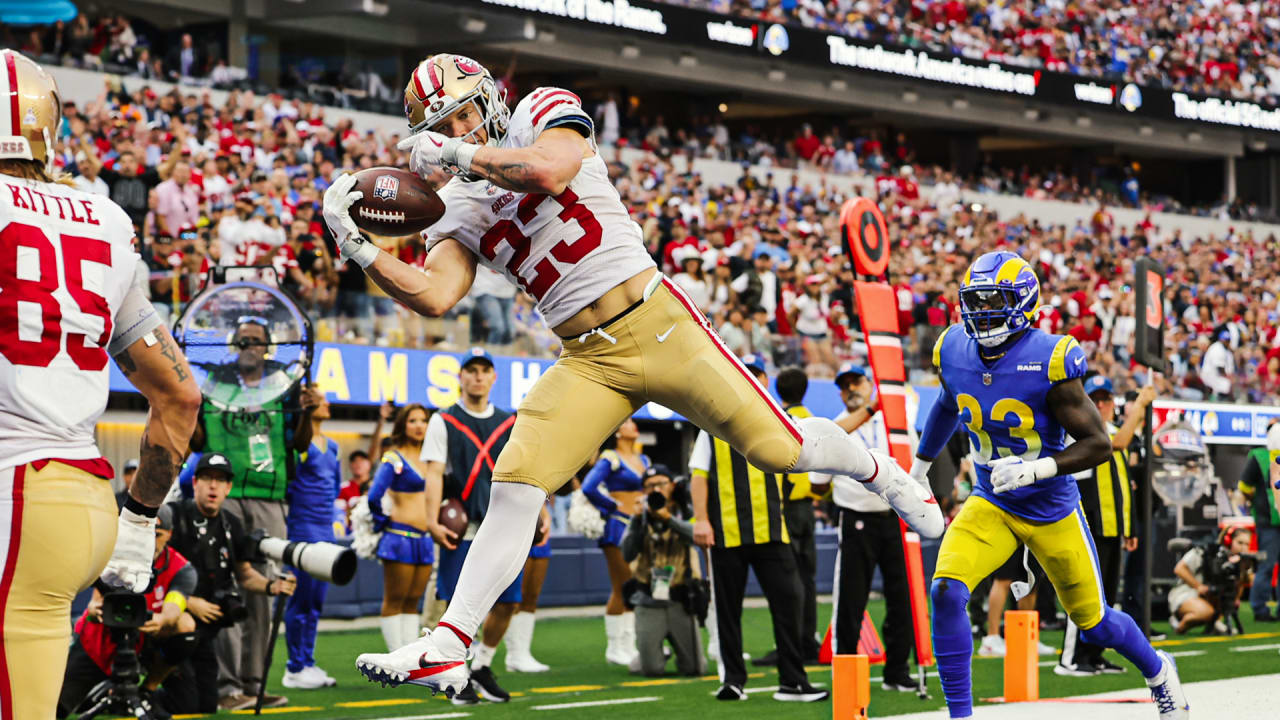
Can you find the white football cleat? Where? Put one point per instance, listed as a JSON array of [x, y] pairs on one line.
[[992, 646], [913, 502], [1166, 691], [318, 672], [418, 663], [302, 680]]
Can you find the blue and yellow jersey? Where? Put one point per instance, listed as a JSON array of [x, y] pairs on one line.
[[1004, 406]]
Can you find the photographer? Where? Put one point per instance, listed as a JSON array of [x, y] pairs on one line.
[[215, 542], [262, 438], [164, 640], [1210, 586], [669, 594]]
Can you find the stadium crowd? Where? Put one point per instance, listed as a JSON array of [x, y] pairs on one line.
[[240, 184], [1229, 50]]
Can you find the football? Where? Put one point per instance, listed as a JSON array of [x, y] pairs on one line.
[[454, 516], [395, 203]]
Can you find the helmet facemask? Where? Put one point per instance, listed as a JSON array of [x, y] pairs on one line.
[[988, 313]]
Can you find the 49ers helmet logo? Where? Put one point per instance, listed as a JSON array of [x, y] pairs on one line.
[[467, 66]]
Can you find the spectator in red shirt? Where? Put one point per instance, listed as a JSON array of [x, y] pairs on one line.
[[359, 469], [807, 144], [1087, 332]]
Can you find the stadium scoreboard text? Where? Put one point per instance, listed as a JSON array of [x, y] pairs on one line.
[[697, 28]]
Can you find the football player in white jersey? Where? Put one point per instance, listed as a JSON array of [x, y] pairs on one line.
[[531, 198], [67, 301]]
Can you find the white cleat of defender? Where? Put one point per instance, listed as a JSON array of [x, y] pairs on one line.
[[418, 663], [913, 501], [1166, 691]]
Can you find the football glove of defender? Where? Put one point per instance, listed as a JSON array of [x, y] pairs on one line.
[[338, 200], [430, 151], [130, 565], [1011, 473]]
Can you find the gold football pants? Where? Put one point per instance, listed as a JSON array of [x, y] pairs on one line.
[[57, 530], [662, 351]]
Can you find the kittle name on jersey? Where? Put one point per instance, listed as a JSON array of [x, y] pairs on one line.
[[66, 208]]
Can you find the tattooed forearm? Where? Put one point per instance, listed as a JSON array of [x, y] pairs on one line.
[[157, 468], [171, 354], [518, 176]]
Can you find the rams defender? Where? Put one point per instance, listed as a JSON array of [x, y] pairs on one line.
[[67, 301], [531, 198], [1018, 392]]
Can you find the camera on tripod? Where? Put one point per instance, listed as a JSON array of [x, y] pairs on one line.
[[123, 613], [123, 610]]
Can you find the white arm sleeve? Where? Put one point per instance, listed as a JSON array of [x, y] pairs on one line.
[[135, 318], [435, 446], [700, 459]]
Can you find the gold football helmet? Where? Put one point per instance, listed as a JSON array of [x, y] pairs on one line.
[[443, 83], [30, 110]]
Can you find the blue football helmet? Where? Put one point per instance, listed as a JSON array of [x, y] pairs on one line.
[[999, 296]]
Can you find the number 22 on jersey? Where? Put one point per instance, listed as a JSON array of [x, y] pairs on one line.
[[29, 276], [545, 274], [1022, 424]]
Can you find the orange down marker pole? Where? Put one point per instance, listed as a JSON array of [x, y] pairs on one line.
[[850, 687], [919, 605], [1022, 657]]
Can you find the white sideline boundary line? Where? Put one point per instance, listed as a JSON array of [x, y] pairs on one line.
[[1255, 648], [1242, 698], [597, 703], [437, 716]]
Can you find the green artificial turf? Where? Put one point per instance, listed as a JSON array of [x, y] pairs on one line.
[[574, 648]]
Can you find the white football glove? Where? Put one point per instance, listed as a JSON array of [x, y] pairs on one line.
[[338, 200], [1011, 473], [130, 565], [430, 151]]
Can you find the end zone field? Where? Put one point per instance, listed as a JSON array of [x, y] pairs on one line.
[[1227, 677]]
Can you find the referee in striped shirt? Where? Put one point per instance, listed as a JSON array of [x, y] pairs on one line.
[[738, 512]]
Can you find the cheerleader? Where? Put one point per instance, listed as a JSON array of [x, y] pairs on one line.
[[399, 508], [613, 487]]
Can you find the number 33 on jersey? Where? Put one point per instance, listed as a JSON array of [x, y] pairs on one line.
[[66, 262], [536, 240], [1003, 405]]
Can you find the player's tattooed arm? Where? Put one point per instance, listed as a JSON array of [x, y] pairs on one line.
[[157, 368], [547, 166], [1079, 417]]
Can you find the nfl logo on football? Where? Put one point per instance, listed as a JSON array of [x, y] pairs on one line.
[[385, 187]]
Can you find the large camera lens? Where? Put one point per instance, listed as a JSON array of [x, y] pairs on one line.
[[657, 500]]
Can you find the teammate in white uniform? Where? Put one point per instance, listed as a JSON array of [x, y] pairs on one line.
[[67, 301], [531, 199]]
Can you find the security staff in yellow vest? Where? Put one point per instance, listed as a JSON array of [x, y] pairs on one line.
[[1106, 494], [799, 493], [738, 515]]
